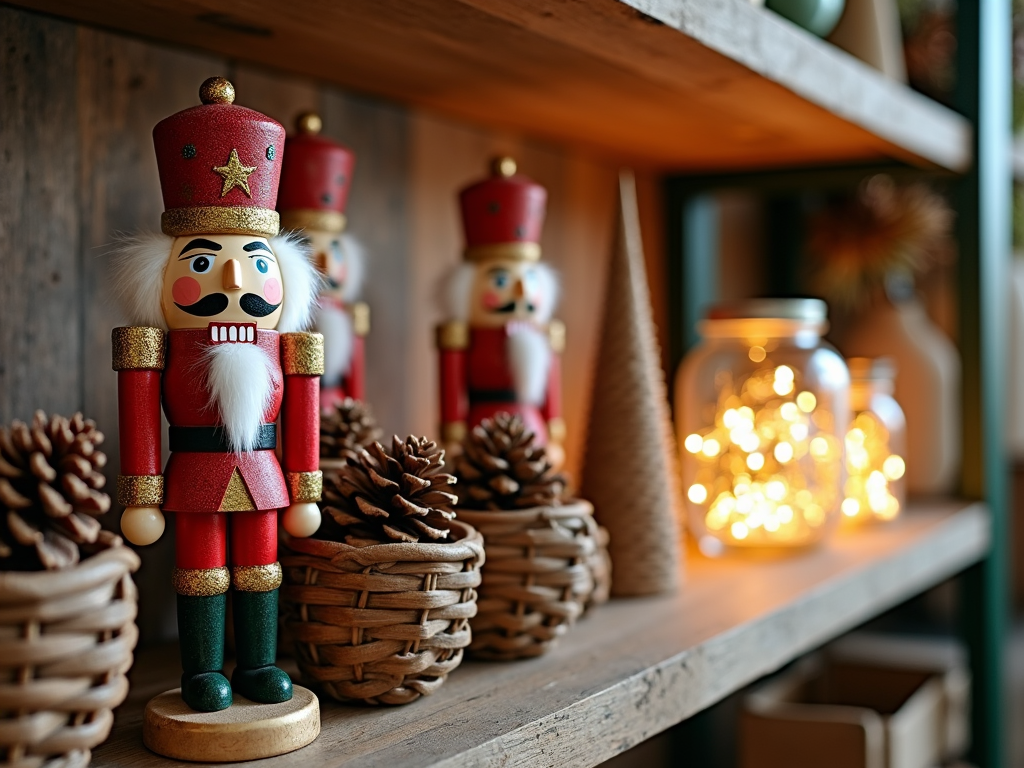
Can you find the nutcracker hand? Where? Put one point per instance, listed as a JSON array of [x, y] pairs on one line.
[[556, 455], [142, 525], [301, 520]]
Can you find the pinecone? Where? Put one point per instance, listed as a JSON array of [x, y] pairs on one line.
[[396, 495], [501, 468], [348, 427], [49, 489]]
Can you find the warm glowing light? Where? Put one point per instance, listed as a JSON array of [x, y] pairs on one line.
[[757, 354], [783, 452], [766, 466], [806, 401], [850, 507], [894, 467], [819, 448]]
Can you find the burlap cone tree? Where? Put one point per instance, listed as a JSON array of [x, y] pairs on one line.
[[630, 470]]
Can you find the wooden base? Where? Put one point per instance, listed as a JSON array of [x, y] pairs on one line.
[[243, 731]]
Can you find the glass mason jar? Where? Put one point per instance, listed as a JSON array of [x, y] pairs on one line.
[[762, 408], [876, 443]]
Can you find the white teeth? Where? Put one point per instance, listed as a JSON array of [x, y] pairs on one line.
[[233, 333], [249, 334], [213, 332]]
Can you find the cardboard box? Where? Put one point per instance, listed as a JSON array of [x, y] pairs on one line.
[[834, 713], [944, 657]]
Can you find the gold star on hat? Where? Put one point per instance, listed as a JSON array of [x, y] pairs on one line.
[[235, 174]]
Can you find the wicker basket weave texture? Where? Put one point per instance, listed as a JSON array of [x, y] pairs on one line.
[[66, 642], [540, 573], [385, 623]]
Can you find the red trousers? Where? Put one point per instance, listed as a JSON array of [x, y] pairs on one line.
[[202, 538]]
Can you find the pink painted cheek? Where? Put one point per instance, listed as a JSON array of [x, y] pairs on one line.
[[186, 290], [491, 300], [272, 290]]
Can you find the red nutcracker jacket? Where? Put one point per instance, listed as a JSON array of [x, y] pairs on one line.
[[202, 475], [477, 381], [353, 382]]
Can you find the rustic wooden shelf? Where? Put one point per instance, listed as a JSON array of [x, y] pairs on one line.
[[682, 84], [633, 668]]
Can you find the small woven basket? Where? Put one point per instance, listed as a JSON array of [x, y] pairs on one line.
[[540, 573], [385, 623], [66, 642]]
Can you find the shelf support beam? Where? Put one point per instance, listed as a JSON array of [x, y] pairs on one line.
[[983, 230]]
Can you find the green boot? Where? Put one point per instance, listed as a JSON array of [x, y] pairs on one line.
[[201, 636], [256, 677]]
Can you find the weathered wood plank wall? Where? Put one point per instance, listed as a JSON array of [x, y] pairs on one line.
[[76, 166]]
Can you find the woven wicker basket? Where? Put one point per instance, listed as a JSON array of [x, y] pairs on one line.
[[541, 565], [385, 623], [66, 642]]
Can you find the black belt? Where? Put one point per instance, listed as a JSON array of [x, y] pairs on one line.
[[215, 439], [492, 396]]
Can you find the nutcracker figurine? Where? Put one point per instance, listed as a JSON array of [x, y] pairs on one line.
[[315, 181], [220, 301], [500, 349]]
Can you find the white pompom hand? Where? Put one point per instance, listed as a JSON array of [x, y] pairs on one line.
[[301, 520]]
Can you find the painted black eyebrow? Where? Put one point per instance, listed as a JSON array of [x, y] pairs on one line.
[[201, 243], [256, 246]]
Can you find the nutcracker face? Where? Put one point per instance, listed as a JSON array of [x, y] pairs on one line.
[[505, 290], [222, 278], [330, 258]]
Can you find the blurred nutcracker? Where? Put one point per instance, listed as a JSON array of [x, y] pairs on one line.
[[218, 301], [500, 349], [315, 182]]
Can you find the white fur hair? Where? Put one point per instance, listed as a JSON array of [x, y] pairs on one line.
[[138, 264], [458, 287], [529, 357], [336, 326], [302, 281], [241, 384], [355, 256]]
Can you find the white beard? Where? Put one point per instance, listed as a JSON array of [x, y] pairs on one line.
[[336, 326], [529, 358], [241, 383]]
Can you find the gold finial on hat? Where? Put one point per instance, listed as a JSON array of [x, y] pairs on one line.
[[217, 90], [503, 166], [309, 123]]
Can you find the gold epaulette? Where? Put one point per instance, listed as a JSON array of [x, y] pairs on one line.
[[302, 354], [360, 318], [453, 334], [556, 335], [138, 348]]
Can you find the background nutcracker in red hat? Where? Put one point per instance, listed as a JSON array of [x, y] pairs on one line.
[[218, 300], [500, 349], [314, 191]]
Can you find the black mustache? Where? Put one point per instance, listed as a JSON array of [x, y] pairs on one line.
[[208, 306], [256, 306], [215, 303], [511, 307]]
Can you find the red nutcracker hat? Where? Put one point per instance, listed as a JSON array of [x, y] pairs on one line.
[[502, 216], [315, 180], [219, 167]]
